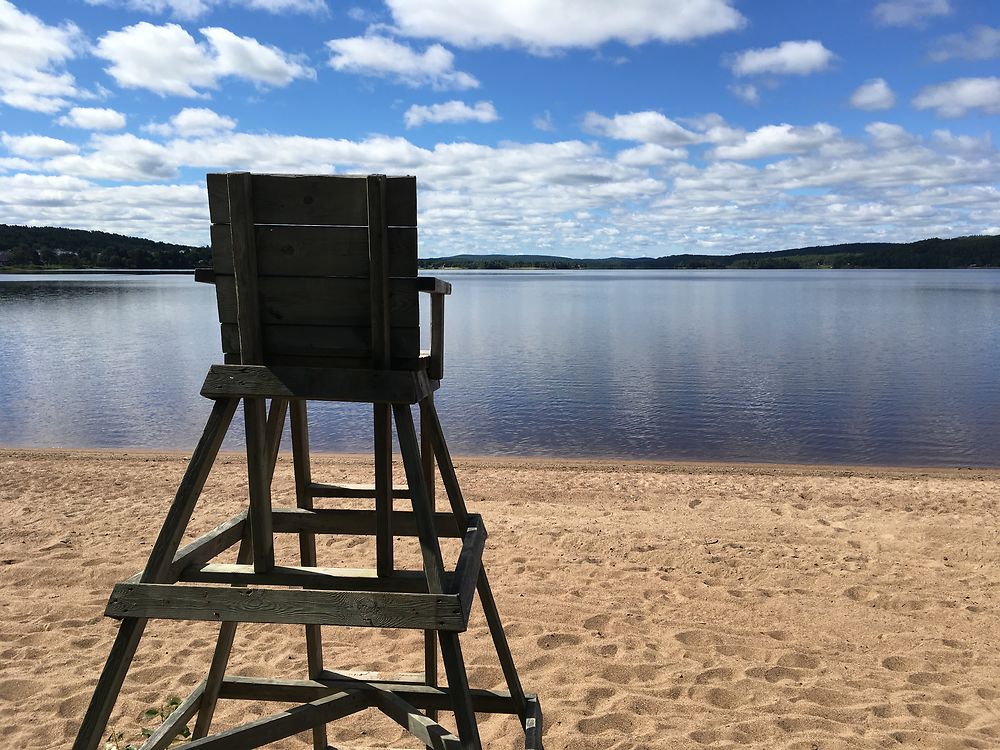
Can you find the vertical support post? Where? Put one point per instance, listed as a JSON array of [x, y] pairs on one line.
[[307, 542], [227, 630], [427, 463], [435, 370], [383, 490], [451, 650], [130, 631], [378, 270], [259, 516]]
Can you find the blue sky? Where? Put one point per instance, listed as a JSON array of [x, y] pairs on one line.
[[569, 127]]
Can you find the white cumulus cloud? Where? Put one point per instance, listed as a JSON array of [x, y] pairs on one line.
[[909, 12], [383, 57], [545, 25], [774, 140], [961, 96], [93, 118], [788, 58], [981, 43], [193, 121], [190, 9], [167, 59], [453, 111], [36, 146], [32, 54], [873, 95], [645, 127]]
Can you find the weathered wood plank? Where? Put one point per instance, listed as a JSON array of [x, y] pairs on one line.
[[430, 549], [383, 489], [352, 491], [458, 682], [533, 724], [378, 277], [319, 384], [259, 484], [492, 614], [427, 462], [337, 200], [317, 251], [328, 301], [419, 696], [207, 546], [321, 341], [285, 724], [245, 269], [425, 729], [349, 521], [339, 363], [433, 285], [302, 607], [435, 369], [470, 562], [307, 542], [329, 579]]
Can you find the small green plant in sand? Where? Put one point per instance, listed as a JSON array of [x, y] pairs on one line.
[[158, 714]]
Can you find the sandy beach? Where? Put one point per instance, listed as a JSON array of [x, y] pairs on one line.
[[649, 605]]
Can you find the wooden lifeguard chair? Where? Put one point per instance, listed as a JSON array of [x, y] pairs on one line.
[[317, 287]]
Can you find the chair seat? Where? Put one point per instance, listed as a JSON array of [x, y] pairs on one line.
[[364, 385]]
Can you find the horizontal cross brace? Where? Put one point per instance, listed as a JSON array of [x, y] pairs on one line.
[[289, 606]]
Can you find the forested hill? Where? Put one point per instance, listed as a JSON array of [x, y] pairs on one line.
[[41, 247], [959, 252], [77, 248]]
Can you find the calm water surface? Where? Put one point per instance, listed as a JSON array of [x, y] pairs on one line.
[[870, 367]]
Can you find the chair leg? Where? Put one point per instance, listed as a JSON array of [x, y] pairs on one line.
[[427, 462], [259, 483], [130, 631], [383, 490], [451, 650], [307, 542], [227, 631]]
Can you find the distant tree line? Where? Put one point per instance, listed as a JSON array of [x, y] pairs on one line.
[[958, 252], [52, 247]]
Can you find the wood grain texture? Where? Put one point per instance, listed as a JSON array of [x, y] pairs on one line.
[[470, 562], [317, 251], [309, 301], [378, 277], [419, 696], [348, 491], [285, 724], [352, 521], [319, 384], [207, 546], [425, 729], [321, 341], [355, 609], [335, 200], [244, 257], [326, 579]]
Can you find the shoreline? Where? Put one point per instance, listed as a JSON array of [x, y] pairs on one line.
[[606, 464]]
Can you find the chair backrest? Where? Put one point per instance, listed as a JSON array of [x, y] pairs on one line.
[[316, 270]]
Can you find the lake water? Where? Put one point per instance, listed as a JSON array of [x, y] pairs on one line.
[[856, 367]]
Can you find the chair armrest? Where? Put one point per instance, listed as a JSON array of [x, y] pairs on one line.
[[432, 285], [437, 289], [204, 275]]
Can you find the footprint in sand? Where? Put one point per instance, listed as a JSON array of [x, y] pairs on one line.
[[597, 622], [698, 638], [950, 717], [799, 661], [557, 640], [617, 722]]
